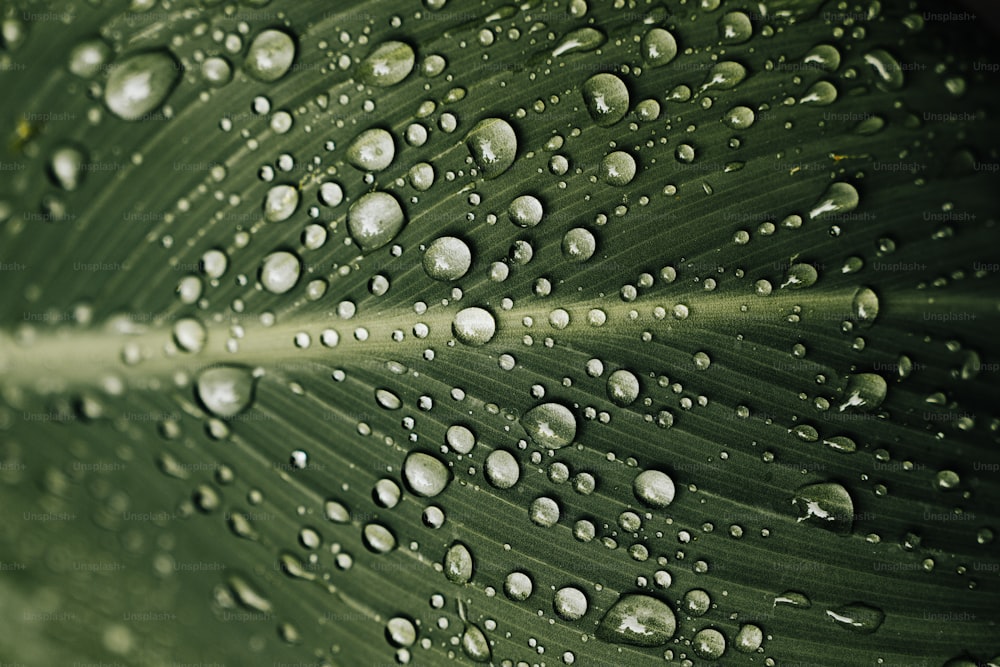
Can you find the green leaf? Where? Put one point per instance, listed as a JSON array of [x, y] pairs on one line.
[[539, 333]]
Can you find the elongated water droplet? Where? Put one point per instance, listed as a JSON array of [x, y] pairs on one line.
[[824, 55], [887, 69], [725, 76], [474, 326], [225, 390], [857, 617], [248, 596], [820, 94], [458, 564], [582, 40], [654, 488], [425, 475], [550, 425], [793, 599], [502, 469], [378, 539], [372, 150], [639, 620], [493, 145], [475, 645], [140, 83], [388, 64], [270, 55], [865, 391], [826, 504], [66, 167], [606, 97], [841, 443], [839, 198], [388, 399], [374, 220]]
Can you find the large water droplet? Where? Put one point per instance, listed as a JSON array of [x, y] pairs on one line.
[[270, 55], [735, 28], [475, 645], [820, 94], [425, 475], [658, 47], [864, 306], [280, 271], [800, 275], [570, 603], [502, 469], [709, 644], [887, 68], [725, 76], [654, 488], [474, 326], [378, 539], [374, 220], [447, 258], [618, 168], [749, 638], [639, 620], [518, 586], [623, 387], [493, 145], [388, 64], [838, 198], [865, 391], [550, 425], [401, 631], [458, 566], [372, 150], [139, 84], [826, 504], [225, 390], [606, 97], [280, 203], [857, 617], [582, 40]]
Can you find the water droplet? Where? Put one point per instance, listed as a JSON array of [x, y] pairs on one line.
[[550, 425], [654, 488], [279, 272], [826, 504], [460, 438], [280, 203], [864, 306], [839, 198], [88, 58], [225, 390], [372, 150], [841, 443], [140, 83], [401, 631], [475, 645], [579, 244], [493, 145], [526, 211], [639, 620], [378, 539], [502, 469], [270, 55], [820, 94], [544, 512], [474, 326], [857, 617], [388, 64], [66, 167], [190, 334], [606, 97], [749, 638], [447, 258], [824, 55], [709, 644], [735, 28], [887, 69], [740, 118], [217, 71], [658, 47], [618, 168], [800, 275], [582, 40], [374, 220], [387, 399], [336, 512], [570, 603], [458, 565], [865, 391], [623, 387], [518, 586], [425, 475], [725, 76]]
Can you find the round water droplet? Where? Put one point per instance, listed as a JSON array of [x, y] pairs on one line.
[[493, 145], [709, 644], [654, 488], [550, 425], [460, 438], [826, 504], [740, 118], [697, 602], [374, 220], [518, 586], [857, 617], [623, 387], [659, 47], [425, 475], [388, 64], [618, 168], [88, 58], [544, 512], [225, 390], [190, 334], [735, 28], [526, 211], [447, 258], [280, 203], [474, 326], [639, 620], [606, 97], [140, 83], [279, 272], [947, 480], [270, 55], [458, 565], [749, 638], [579, 244], [502, 469], [864, 306], [800, 275], [401, 631], [570, 603], [217, 71], [378, 538], [372, 150]]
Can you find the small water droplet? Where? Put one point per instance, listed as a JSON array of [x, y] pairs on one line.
[[857, 617]]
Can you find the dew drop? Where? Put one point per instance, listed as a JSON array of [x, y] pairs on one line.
[[270, 55], [225, 390], [826, 504], [550, 425], [447, 258], [493, 145], [372, 150], [839, 198], [374, 220], [140, 83], [474, 326], [502, 469], [570, 603], [279, 272], [659, 47], [606, 98], [425, 475], [639, 620], [654, 488], [388, 64], [458, 566], [857, 617]]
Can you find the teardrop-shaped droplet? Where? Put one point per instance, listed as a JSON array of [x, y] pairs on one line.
[[654, 488], [606, 97], [725, 76], [458, 564], [225, 390], [474, 326], [425, 475], [826, 504], [887, 69], [865, 391], [550, 425], [374, 220], [582, 40], [140, 83], [839, 198], [270, 55], [639, 620], [388, 64], [493, 145], [66, 167], [279, 272], [475, 645], [800, 275], [857, 617], [372, 150], [824, 55], [820, 94], [659, 47], [793, 599]]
